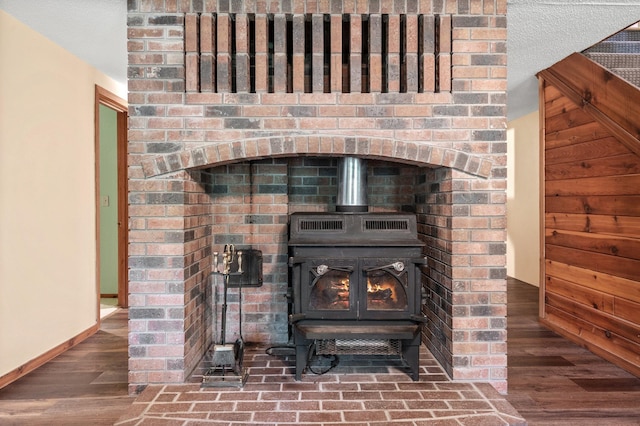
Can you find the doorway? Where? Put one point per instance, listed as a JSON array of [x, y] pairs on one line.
[[111, 197]]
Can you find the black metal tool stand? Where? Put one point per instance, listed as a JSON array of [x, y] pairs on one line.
[[227, 367]]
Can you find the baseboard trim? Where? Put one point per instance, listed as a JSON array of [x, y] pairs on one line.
[[31, 365]]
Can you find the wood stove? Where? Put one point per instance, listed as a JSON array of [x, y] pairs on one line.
[[355, 285]]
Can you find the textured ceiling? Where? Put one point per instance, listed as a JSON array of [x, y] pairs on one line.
[[540, 33]]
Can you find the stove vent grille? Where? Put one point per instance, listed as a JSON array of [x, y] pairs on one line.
[[385, 225], [321, 225]]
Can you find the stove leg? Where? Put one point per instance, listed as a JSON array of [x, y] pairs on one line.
[[411, 355], [302, 354]]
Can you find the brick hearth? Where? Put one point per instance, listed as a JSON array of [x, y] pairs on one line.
[[226, 141], [366, 391]]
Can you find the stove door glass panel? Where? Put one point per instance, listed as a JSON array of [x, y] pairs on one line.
[[330, 290], [386, 287]]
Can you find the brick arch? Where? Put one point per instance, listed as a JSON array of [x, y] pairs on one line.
[[408, 152]]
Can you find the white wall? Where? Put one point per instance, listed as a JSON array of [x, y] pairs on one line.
[[523, 200], [47, 195]]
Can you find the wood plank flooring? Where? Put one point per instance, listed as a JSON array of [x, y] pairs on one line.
[[551, 380], [86, 385]]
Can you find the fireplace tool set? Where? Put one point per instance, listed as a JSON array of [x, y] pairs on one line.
[[227, 359]]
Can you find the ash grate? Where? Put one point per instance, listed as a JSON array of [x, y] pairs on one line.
[[358, 347]]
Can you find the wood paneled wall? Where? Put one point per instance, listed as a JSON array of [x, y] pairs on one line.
[[592, 209]]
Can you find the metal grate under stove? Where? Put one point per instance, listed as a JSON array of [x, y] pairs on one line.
[[358, 347]]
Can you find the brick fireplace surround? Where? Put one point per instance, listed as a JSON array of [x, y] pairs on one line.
[[232, 128]]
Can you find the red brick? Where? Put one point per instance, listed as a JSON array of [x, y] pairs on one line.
[[191, 32], [207, 140], [365, 416]]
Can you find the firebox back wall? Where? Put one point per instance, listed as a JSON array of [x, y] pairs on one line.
[[178, 132]]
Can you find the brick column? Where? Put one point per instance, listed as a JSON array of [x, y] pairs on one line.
[[192, 52], [207, 64], [298, 54], [411, 56], [162, 273], [280, 53], [375, 53], [444, 54], [427, 60], [393, 57], [355, 58], [242, 53], [336, 53], [262, 61], [317, 55], [223, 47]]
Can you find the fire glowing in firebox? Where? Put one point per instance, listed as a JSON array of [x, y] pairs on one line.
[[332, 292], [380, 291]]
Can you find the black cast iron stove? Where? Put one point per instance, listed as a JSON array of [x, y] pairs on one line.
[[355, 285]]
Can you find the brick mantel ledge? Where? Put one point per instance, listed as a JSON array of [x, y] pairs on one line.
[[219, 153]]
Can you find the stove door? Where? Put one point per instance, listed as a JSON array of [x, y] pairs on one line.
[[328, 290], [386, 288]]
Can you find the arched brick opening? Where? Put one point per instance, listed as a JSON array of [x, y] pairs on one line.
[[208, 206], [418, 153]]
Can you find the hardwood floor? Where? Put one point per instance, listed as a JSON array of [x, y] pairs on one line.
[[86, 385], [551, 380], [555, 382]]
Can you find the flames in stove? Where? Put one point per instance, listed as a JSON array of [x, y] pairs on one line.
[[380, 292], [331, 290]]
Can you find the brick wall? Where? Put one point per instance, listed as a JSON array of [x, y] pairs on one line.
[[214, 161]]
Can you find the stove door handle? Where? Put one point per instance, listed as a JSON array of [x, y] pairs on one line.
[[341, 268], [323, 269], [320, 270], [397, 266]]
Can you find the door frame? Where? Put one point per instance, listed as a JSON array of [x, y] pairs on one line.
[[119, 105]]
